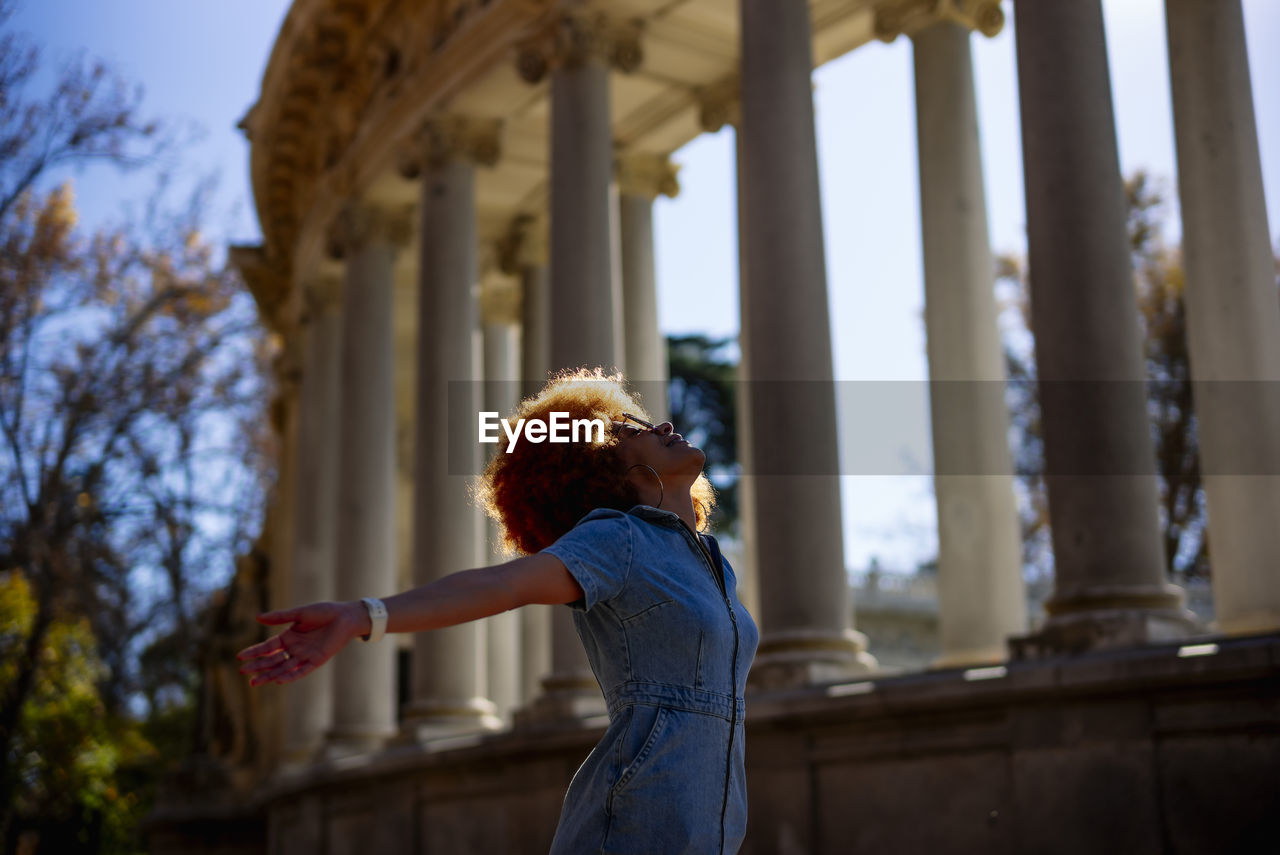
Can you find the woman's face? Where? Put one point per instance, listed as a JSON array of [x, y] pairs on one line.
[[659, 447]]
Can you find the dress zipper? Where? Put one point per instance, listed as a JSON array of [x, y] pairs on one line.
[[733, 694]]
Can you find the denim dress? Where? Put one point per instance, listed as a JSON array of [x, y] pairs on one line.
[[670, 645]]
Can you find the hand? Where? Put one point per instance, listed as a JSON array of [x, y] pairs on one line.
[[317, 632]]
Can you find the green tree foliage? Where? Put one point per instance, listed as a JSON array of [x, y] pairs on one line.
[[703, 397], [76, 763], [131, 464], [1158, 287]]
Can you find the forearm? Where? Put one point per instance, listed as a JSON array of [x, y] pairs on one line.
[[474, 594], [451, 600]]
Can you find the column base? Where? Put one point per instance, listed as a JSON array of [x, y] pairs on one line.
[[425, 721], [796, 658], [1104, 629], [1258, 623], [567, 701], [1108, 617]]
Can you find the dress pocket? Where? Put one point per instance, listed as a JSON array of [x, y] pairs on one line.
[[656, 718]]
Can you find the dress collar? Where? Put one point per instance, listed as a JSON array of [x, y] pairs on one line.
[[652, 514]]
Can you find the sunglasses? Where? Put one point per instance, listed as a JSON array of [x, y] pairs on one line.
[[619, 427]]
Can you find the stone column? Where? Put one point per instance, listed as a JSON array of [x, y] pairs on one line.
[[522, 254], [535, 362], [641, 178], [720, 105], [364, 675], [500, 311], [805, 613], [1110, 587], [309, 703], [584, 298], [1233, 319], [449, 679], [278, 707], [981, 596]]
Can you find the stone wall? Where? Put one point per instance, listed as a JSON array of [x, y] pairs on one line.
[[1132, 751]]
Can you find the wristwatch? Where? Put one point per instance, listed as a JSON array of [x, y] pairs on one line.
[[377, 619]]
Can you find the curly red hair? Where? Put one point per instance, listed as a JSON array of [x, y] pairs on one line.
[[540, 491]]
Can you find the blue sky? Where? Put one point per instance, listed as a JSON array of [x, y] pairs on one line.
[[203, 62]]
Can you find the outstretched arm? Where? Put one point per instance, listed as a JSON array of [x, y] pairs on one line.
[[318, 631]]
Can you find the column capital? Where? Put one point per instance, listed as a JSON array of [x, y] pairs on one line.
[[286, 367], [523, 245], [647, 175], [359, 223], [321, 294], [449, 137], [720, 104], [500, 301], [579, 37], [912, 16]]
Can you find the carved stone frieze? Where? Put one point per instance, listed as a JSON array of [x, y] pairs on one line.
[[267, 282], [579, 37], [648, 175], [907, 17]]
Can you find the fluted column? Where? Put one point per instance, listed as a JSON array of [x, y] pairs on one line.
[[500, 312], [584, 298], [364, 678], [1233, 319], [805, 615], [309, 703], [449, 679], [641, 178], [981, 596], [1109, 587]]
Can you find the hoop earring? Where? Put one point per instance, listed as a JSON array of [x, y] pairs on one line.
[[661, 491]]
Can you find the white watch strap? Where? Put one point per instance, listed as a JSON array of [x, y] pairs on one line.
[[377, 619]]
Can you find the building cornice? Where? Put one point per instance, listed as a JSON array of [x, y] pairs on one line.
[[346, 81]]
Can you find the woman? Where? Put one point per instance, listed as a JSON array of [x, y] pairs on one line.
[[611, 527]]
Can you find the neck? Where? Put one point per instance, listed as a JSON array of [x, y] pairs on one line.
[[677, 499], [683, 508]]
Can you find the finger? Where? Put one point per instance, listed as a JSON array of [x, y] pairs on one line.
[[262, 663], [283, 672], [279, 617], [297, 673], [262, 648]]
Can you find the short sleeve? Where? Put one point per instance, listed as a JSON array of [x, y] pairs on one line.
[[597, 552]]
